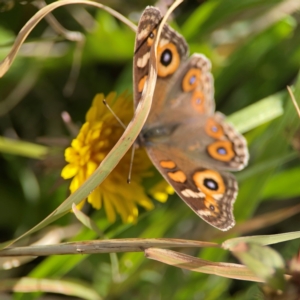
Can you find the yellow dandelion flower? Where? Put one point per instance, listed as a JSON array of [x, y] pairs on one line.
[[95, 139]]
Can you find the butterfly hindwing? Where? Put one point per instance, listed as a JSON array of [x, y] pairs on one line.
[[209, 139], [207, 191]]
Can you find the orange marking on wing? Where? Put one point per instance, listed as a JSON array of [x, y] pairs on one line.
[[221, 150], [198, 102], [194, 146], [214, 129], [150, 39], [168, 59], [191, 79], [209, 182], [210, 203], [142, 83], [177, 176], [167, 164]]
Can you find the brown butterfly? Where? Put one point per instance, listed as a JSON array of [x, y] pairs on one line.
[[188, 142]]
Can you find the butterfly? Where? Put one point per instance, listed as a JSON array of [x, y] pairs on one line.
[[190, 144]]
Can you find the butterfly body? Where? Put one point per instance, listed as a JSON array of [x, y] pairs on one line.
[[188, 142]]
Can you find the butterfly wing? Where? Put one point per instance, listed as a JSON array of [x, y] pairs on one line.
[[207, 191], [189, 94], [209, 138], [197, 169], [188, 106], [170, 54], [181, 82], [192, 147]]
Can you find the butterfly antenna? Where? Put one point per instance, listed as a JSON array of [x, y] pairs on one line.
[[113, 113], [133, 146], [131, 163]]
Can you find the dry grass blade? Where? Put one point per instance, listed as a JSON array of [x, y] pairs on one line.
[[65, 287], [47, 237], [261, 239], [28, 27], [121, 147], [262, 221], [103, 246], [280, 11], [20, 91], [294, 100], [263, 261], [86, 221], [89, 223], [74, 36], [184, 261]]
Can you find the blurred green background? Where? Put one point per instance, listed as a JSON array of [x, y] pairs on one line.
[[254, 46]]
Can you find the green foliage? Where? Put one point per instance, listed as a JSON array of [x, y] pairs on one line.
[[255, 54]]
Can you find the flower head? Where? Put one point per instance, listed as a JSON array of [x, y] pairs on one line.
[[95, 139]]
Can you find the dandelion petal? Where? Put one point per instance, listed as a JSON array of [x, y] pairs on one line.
[[69, 171]]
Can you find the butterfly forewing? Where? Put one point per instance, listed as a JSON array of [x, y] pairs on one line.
[[172, 50]]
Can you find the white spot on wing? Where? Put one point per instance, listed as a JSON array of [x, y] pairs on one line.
[[191, 194], [204, 212], [143, 33], [218, 196], [143, 61], [163, 42]]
